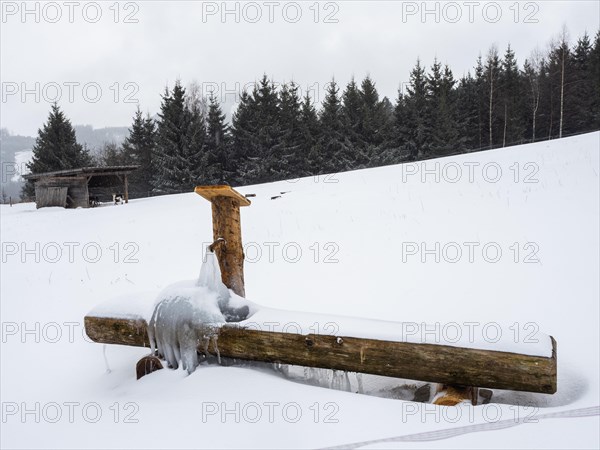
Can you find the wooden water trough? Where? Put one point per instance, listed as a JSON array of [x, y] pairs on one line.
[[450, 365]]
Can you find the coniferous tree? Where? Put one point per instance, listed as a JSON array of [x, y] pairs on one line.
[[392, 150], [400, 127], [243, 130], [440, 111], [138, 148], [56, 148], [417, 132], [111, 154], [218, 168], [594, 69], [333, 143], [264, 163], [309, 147], [373, 122], [582, 87], [491, 74], [511, 100], [180, 141], [467, 114], [288, 157], [386, 133], [482, 101], [351, 111]]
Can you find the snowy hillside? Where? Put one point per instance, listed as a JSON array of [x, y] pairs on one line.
[[508, 237]]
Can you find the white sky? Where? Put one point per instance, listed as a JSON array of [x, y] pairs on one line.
[[191, 40]]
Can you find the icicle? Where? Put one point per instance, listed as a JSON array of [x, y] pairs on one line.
[[340, 380], [106, 359], [215, 337], [206, 340], [346, 382], [359, 381], [191, 312]]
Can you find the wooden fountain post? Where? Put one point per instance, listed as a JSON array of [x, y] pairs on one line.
[[227, 233]]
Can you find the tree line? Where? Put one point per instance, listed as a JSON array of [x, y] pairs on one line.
[[276, 134]]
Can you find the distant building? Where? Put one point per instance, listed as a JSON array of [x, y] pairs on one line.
[[81, 188]]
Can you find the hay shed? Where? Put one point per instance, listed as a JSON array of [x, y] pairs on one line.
[[81, 188]]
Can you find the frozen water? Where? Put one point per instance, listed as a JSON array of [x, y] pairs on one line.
[[340, 380], [359, 381], [189, 313], [185, 315]]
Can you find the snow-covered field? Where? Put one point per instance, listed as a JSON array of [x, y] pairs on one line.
[[499, 241]]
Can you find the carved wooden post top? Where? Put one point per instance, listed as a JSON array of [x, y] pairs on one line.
[[212, 192]]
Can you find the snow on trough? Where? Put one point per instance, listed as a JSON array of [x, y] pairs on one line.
[[504, 239]]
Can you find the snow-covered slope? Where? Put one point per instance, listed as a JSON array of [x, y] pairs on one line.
[[505, 239]]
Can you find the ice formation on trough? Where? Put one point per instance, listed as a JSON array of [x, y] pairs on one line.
[[189, 313]]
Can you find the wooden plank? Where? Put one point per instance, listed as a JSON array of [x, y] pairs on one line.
[[425, 362], [211, 192], [46, 196]]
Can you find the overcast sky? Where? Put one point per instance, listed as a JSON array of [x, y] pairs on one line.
[[102, 60]]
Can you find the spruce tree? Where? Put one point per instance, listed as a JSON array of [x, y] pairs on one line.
[[417, 131], [467, 114], [373, 123], [352, 112], [594, 76], [309, 146], [263, 164], [138, 148], [335, 146], [511, 87], [482, 101], [582, 87], [55, 148], [288, 162], [243, 132], [219, 168], [180, 141]]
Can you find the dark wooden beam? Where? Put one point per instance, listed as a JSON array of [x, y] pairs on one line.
[[444, 364], [126, 184]]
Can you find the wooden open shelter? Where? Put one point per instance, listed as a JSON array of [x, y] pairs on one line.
[[75, 188]]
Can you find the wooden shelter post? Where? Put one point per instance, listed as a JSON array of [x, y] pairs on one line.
[[126, 188], [226, 203]]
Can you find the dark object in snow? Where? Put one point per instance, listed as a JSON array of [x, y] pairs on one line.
[[250, 195], [275, 197], [234, 314], [486, 395], [118, 199], [147, 365], [423, 394], [94, 201]]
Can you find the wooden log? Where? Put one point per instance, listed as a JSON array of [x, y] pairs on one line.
[[426, 362], [226, 203]]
